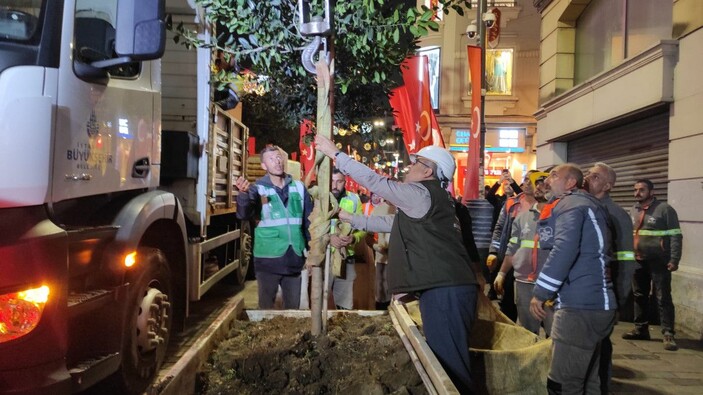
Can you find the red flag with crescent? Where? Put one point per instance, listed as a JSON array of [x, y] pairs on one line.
[[471, 190], [402, 113], [416, 77], [307, 152]]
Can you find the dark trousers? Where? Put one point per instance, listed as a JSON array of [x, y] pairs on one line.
[[577, 336], [507, 301], [605, 371], [653, 271], [447, 315], [268, 287]]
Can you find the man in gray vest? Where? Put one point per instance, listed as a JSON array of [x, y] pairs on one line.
[[282, 207], [426, 254]]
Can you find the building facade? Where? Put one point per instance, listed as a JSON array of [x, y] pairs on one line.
[[618, 84], [512, 64]]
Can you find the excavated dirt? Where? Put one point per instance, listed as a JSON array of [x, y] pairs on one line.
[[359, 355]]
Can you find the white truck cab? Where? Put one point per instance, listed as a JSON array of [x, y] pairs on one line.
[[108, 219]]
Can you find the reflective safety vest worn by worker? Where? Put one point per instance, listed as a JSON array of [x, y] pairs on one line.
[[350, 203], [280, 226], [657, 234]]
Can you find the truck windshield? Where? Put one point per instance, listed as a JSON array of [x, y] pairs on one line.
[[19, 20]]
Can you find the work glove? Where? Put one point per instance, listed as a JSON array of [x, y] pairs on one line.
[[498, 282], [491, 261]]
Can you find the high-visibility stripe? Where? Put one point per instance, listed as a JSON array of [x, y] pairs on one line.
[[513, 240], [625, 255], [668, 232], [280, 222], [601, 258], [528, 244]]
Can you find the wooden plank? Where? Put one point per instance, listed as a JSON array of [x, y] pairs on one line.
[[434, 369], [180, 377], [413, 355]]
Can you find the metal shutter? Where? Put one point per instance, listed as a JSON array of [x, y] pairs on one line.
[[637, 149]]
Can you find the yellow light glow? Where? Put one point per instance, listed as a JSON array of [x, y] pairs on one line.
[[36, 295], [130, 259]]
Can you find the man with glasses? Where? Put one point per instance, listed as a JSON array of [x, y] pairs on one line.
[[426, 255]]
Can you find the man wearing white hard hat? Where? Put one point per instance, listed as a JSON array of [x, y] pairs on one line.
[[426, 255]]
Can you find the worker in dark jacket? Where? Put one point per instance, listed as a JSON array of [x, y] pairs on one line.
[[599, 181], [426, 255], [658, 242], [574, 227]]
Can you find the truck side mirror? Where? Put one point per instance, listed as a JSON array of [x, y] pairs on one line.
[[141, 29]]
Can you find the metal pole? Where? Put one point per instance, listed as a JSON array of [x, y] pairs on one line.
[[482, 43]]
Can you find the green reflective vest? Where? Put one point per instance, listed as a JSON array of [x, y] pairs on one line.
[[280, 226], [350, 203]]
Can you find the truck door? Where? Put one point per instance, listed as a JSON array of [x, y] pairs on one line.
[[107, 121]]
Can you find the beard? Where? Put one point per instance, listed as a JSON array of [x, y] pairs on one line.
[[337, 193]]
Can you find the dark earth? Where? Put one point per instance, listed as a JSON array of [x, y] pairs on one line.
[[359, 355]]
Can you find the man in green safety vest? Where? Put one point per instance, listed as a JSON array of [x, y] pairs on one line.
[[343, 287], [281, 206], [658, 242]]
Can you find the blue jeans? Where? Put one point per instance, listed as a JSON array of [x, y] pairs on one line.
[[447, 316]]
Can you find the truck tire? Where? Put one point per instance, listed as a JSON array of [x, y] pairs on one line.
[[148, 320], [246, 245]]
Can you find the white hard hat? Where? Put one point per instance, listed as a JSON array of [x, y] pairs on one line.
[[440, 156]]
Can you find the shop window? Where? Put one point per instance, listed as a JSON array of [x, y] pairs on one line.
[[499, 71]]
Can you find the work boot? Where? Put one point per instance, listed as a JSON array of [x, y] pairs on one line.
[[670, 343], [637, 334]]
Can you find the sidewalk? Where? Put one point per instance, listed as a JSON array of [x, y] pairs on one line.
[[644, 367]]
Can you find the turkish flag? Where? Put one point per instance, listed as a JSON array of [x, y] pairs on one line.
[[307, 152], [416, 76], [404, 119], [474, 160]]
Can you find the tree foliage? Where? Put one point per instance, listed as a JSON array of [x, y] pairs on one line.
[[371, 39]]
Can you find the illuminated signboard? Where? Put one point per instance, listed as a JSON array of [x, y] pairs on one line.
[[497, 140]]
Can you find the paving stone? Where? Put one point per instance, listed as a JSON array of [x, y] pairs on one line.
[[644, 367]]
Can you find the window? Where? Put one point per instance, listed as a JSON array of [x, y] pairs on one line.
[[19, 20], [432, 54], [94, 35], [609, 31], [499, 71]]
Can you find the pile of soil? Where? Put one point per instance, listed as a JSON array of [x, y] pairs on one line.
[[359, 355]]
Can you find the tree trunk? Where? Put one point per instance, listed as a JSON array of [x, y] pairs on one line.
[[325, 109]]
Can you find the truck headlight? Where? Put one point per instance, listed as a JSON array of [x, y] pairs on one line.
[[20, 312]]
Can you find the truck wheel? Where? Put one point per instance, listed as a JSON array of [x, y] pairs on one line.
[[245, 251], [148, 324]]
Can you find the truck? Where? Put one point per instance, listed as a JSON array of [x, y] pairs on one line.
[[117, 204]]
